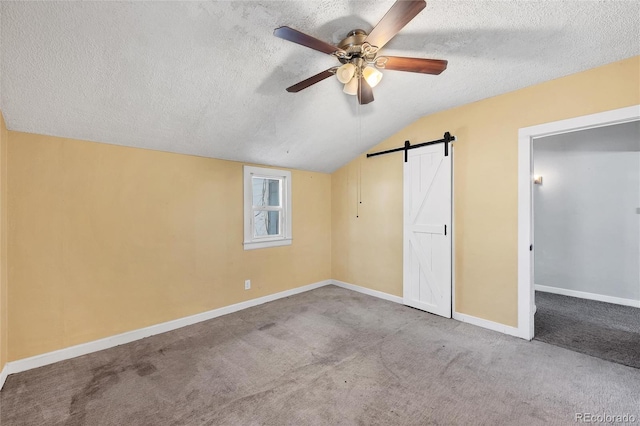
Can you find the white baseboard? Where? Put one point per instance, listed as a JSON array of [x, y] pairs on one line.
[[512, 331], [3, 376], [130, 336], [368, 291], [590, 296], [491, 325]]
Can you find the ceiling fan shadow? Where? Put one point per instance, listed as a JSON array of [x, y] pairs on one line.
[[512, 43], [337, 29], [358, 110]]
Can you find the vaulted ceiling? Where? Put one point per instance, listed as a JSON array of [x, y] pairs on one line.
[[209, 78]]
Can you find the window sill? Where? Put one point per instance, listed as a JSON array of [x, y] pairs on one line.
[[265, 244]]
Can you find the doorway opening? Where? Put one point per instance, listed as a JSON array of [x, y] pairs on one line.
[[586, 229], [527, 246]]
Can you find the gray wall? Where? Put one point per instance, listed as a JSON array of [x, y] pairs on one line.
[[586, 223]]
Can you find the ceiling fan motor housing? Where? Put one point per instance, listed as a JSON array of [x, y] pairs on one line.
[[352, 44]]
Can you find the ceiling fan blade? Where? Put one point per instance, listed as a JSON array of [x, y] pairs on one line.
[[311, 80], [365, 94], [303, 39], [425, 66], [396, 18]]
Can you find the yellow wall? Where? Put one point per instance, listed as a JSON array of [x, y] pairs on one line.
[[105, 239], [3, 243], [367, 250]]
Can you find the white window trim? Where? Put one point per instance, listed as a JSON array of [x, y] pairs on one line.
[[250, 242]]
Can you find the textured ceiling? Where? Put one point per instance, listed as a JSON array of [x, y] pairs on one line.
[[209, 78]]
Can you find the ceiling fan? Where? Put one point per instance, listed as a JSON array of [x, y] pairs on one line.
[[358, 53]]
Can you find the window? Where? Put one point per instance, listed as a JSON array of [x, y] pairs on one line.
[[267, 207]]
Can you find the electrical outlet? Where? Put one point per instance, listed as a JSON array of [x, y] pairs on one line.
[[247, 284]]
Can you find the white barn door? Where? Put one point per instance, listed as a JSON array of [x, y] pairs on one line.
[[427, 230]]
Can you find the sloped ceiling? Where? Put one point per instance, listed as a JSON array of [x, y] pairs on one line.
[[209, 78]]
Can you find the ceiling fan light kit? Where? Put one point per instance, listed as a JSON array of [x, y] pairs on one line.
[[372, 75], [345, 73], [358, 53], [351, 88]]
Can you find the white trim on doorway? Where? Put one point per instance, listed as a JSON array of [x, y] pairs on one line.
[[526, 135]]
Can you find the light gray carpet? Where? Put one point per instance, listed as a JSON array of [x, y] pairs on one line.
[[324, 357], [599, 329]]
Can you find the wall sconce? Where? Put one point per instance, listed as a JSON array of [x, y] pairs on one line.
[[537, 180]]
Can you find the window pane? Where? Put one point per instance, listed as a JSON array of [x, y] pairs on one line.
[[266, 192], [266, 223]]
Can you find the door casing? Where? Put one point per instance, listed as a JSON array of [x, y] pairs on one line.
[[526, 300]]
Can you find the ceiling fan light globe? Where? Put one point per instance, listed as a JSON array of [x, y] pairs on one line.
[[351, 88], [372, 75], [345, 73]]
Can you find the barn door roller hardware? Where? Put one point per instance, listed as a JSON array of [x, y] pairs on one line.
[[407, 146]]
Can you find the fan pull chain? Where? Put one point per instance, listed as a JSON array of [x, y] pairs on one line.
[[360, 166], [358, 182]]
